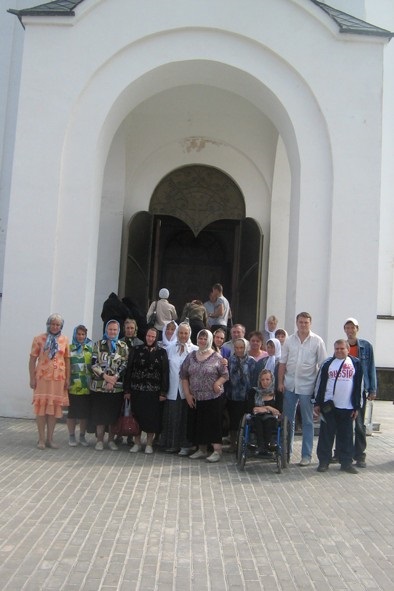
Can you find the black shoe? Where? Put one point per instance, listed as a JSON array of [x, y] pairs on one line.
[[349, 469], [361, 463], [334, 460], [322, 468]]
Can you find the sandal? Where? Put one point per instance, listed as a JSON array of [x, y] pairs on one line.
[[40, 445], [51, 445]]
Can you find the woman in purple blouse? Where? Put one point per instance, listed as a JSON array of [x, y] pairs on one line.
[[203, 375]]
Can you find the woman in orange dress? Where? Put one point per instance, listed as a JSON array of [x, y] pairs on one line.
[[49, 369]]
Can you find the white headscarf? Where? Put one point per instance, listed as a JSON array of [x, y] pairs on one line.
[[209, 340], [267, 330], [272, 359], [165, 341]]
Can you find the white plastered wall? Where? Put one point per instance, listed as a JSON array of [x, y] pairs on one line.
[[57, 191]]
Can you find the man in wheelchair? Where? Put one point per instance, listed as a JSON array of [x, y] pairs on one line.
[[265, 406]]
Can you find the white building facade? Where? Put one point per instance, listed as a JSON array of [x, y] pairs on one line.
[[212, 121]]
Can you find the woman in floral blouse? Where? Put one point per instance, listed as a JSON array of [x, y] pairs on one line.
[[109, 362], [203, 375]]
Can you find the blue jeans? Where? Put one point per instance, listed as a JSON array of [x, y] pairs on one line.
[[289, 408]]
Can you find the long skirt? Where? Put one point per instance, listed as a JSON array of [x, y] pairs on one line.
[[106, 407], [236, 410], [174, 427], [207, 426], [147, 410], [80, 406]]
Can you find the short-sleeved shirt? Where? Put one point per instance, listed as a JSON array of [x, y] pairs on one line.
[[222, 320], [302, 360], [203, 374]]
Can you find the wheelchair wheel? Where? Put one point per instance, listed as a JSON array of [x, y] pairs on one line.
[[242, 444], [285, 442]]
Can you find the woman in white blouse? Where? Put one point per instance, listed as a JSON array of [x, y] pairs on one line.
[[173, 435]]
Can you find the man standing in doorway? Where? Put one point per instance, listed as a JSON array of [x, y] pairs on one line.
[[363, 350], [220, 314], [302, 355]]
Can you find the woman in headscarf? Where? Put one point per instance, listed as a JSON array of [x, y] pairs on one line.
[[130, 333], [203, 375], [109, 362], [169, 334], [49, 371], [78, 394], [274, 350], [175, 416], [241, 368], [160, 312], [270, 327], [265, 404], [146, 385]]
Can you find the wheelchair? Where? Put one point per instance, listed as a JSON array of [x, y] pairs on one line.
[[247, 443]]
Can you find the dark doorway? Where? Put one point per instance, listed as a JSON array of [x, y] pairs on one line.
[[189, 265], [195, 235]]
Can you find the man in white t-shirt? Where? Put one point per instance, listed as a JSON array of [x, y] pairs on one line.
[[337, 400]]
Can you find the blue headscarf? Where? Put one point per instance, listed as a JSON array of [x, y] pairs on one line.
[[111, 342], [51, 344], [79, 346]]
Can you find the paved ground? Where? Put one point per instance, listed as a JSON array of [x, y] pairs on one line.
[[75, 519]]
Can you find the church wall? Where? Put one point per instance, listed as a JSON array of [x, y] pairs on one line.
[[78, 106]]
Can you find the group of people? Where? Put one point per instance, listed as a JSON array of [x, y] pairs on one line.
[[187, 396]]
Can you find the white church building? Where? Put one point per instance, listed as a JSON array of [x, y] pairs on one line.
[[179, 143]]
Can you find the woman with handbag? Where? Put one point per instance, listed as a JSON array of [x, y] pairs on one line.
[[160, 312], [146, 385]]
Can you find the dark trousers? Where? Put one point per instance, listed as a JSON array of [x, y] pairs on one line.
[[337, 422], [265, 427], [360, 433]]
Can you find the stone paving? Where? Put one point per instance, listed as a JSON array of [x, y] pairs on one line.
[[75, 519]]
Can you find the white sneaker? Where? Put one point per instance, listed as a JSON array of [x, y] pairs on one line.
[[305, 462], [83, 441], [72, 442], [99, 446], [198, 455], [136, 448], [149, 449], [112, 446], [214, 457], [184, 451]]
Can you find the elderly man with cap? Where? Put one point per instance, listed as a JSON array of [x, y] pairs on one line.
[[161, 311], [363, 350]]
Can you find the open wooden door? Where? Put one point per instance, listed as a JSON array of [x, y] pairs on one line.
[[246, 294], [139, 259]]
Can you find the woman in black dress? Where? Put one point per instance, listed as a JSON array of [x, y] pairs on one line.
[[146, 384]]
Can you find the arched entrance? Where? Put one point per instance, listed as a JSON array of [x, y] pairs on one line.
[[196, 234]]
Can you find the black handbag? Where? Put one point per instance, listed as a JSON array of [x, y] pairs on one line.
[[152, 317]]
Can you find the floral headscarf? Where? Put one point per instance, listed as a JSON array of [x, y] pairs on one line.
[[79, 346], [111, 341], [51, 344]]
